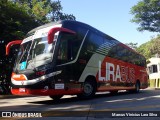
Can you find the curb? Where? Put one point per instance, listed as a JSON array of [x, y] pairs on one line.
[[152, 88], [157, 88]]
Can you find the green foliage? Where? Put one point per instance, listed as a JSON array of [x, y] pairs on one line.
[[150, 48], [132, 45], [14, 21], [44, 11], [147, 15]]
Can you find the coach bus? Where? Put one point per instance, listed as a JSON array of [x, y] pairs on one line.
[[73, 58]]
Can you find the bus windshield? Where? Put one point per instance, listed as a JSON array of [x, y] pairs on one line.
[[34, 53]]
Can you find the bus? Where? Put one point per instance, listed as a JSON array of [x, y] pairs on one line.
[[73, 58]]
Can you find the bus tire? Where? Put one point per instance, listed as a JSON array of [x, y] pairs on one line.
[[137, 87], [89, 90], [56, 97]]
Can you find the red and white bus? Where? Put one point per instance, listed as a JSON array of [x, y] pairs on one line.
[[73, 58]]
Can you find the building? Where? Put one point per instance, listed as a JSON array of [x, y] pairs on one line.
[[153, 67]]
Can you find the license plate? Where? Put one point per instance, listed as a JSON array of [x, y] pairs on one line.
[[22, 90], [59, 86]]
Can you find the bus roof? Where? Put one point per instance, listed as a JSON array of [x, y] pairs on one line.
[[71, 22], [63, 22]]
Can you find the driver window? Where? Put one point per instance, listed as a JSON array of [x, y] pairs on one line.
[[68, 48], [63, 52]]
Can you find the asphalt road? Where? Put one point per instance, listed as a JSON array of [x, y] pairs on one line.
[[144, 105]]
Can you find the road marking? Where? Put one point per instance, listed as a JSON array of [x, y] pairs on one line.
[[136, 108], [128, 100]]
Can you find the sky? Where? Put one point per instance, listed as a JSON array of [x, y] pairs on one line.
[[109, 16]]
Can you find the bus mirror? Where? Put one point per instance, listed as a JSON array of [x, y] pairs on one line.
[[10, 44], [56, 29]]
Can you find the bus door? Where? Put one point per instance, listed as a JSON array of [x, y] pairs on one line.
[[66, 57]]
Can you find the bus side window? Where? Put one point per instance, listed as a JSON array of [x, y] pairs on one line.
[[94, 41], [112, 53]]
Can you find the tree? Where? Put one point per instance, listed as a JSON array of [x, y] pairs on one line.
[[44, 11], [132, 45], [14, 21], [150, 48], [147, 15]]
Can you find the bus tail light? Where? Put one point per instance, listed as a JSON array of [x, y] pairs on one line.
[[10, 44], [56, 29]]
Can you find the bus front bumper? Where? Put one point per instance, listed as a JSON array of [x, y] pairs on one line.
[[43, 92]]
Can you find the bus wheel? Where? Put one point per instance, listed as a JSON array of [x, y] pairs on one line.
[[89, 89], [137, 87], [56, 97]]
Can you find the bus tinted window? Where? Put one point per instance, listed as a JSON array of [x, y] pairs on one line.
[[94, 41], [126, 55], [68, 48], [118, 52]]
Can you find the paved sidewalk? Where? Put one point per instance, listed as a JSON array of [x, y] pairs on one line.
[[13, 96]]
